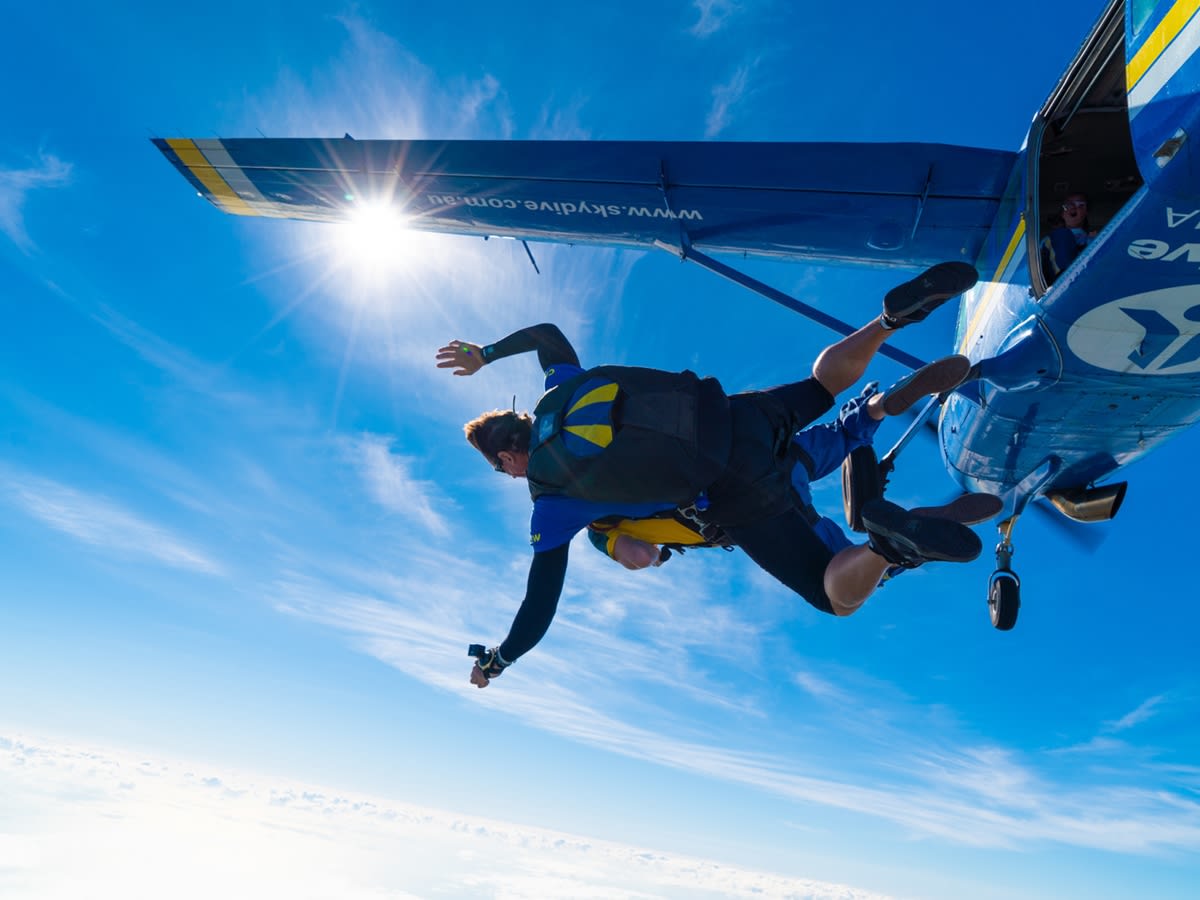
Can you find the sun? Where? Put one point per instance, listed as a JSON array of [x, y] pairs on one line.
[[375, 265], [376, 240]]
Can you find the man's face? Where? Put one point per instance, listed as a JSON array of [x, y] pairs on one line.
[[513, 462], [1074, 211]]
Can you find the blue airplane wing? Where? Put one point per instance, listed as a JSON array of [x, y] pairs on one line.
[[899, 204]]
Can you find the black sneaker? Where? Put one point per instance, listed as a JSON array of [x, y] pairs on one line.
[[940, 375], [969, 509], [914, 300], [905, 539]]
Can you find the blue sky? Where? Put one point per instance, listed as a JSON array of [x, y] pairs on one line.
[[244, 545]]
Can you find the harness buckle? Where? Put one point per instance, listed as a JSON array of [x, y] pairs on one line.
[[692, 511], [712, 534]]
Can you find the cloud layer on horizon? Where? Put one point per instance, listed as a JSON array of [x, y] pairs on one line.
[[81, 818]]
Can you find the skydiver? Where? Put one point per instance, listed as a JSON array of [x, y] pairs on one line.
[[633, 442]]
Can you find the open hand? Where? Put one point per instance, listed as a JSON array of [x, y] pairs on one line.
[[462, 356]]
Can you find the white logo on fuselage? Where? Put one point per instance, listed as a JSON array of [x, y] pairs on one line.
[[1152, 248], [1156, 333], [1148, 248]]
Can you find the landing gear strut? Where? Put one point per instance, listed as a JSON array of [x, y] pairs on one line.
[[1004, 587]]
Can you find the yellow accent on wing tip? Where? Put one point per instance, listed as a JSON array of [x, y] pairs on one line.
[[600, 435], [601, 394], [1165, 32], [197, 163]]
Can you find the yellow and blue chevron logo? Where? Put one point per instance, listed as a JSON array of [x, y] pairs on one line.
[[588, 426]]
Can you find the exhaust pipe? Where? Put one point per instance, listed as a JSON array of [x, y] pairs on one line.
[[1097, 504]]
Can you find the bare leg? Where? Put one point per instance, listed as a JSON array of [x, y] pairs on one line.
[[852, 576], [875, 407], [843, 363]]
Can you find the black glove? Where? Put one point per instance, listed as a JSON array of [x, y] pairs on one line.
[[489, 661]]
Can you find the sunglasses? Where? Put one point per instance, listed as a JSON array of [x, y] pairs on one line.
[[499, 467]]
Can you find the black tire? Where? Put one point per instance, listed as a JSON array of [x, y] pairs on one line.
[[1004, 599], [861, 483]]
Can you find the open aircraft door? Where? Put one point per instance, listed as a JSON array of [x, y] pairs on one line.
[[1081, 141], [1124, 115]]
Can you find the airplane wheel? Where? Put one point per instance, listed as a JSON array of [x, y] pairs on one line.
[[1004, 599]]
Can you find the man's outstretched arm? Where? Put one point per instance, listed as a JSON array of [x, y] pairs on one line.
[[551, 345], [546, 575]]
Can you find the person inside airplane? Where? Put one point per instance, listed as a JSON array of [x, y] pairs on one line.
[[1069, 234], [634, 442]]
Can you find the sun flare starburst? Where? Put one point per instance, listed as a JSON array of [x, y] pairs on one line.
[[376, 239]]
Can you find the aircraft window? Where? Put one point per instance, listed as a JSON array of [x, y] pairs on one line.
[[1084, 143]]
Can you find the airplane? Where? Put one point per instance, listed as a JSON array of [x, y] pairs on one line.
[[1074, 379]]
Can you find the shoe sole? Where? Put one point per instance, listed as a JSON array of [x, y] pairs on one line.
[[930, 289], [969, 509], [942, 375], [920, 536]]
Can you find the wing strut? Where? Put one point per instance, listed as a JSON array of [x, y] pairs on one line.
[[529, 252], [686, 251], [921, 204]]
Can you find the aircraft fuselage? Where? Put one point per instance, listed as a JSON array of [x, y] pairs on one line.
[[1091, 373]]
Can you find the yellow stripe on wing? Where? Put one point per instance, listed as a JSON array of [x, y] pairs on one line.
[[1168, 29], [225, 196]]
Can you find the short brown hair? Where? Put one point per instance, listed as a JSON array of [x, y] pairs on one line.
[[498, 430]]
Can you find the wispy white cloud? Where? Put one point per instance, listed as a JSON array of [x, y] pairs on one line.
[[1145, 710], [390, 484], [971, 793], [15, 187], [713, 14], [187, 370], [1105, 745], [477, 98], [559, 121], [79, 816], [102, 523], [822, 688], [375, 88], [726, 96]]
